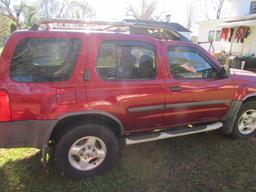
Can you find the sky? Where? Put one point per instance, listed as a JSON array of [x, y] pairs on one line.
[[115, 9]]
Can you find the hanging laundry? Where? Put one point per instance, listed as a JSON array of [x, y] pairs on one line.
[[242, 33], [227, 33], [224, 34], [247, 32]]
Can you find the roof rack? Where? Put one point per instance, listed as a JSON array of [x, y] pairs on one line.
[[158, 32]]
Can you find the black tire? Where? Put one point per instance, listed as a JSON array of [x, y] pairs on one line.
[[61, 152], [236, 134]]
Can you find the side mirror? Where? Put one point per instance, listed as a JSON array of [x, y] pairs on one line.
[[225, 72]]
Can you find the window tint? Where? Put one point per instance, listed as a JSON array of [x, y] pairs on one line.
[[126, 61], [187, 62], [44, 60]]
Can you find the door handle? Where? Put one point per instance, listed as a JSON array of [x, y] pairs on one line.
[[175, 89]]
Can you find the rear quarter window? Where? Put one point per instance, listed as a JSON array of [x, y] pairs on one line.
[[44, 60]]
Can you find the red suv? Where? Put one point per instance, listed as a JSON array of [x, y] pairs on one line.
[[80, 91]]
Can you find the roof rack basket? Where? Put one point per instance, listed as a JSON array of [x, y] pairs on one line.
[[158, 32]]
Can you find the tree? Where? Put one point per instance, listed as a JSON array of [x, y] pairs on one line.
[[218, 6], [190, 14], [213, 6], [16, 11], [78, 9], [10, 12], [29, 15], [4, 29], [51, 8], [204, 9], [3, 26], [146, 11]]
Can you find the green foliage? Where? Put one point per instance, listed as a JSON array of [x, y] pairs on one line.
[[3, 38], [13, 27], [4, 29], [25, 13]]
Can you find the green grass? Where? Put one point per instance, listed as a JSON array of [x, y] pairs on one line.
[[203, 162]]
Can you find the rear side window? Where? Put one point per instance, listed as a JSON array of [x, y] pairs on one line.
[[126, 60], [44, 60]]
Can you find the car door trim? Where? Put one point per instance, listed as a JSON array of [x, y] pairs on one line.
[[197, 104], [146, 108], [177, 106]]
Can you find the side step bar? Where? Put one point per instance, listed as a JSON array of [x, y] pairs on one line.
[[130, 140]]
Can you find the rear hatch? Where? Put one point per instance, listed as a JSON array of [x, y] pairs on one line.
[[38, 72]]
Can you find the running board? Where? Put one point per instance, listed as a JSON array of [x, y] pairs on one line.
[[130, 140]]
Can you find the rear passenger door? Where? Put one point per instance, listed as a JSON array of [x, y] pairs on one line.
[[127, 82]]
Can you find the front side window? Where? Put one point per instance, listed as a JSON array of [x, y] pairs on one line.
[[44, 60], [126, 61], [189, 63]]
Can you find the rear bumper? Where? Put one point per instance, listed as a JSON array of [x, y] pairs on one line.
[[26, 133]]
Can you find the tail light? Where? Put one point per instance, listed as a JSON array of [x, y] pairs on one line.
[[5, 109]]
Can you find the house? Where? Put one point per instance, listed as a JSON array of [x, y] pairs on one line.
[[172, 25], [234, 34]]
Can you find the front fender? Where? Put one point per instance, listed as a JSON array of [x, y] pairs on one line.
[[245, 91]]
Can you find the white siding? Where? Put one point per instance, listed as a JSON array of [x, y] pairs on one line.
[[204, 29], [236, 8]]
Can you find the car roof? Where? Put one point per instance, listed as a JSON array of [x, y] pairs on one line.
[[95, 33], [160, 31]]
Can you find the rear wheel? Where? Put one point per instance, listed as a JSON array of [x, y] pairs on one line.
[[86, 151], [245, 125]]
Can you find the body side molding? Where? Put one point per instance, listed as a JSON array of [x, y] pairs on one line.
[[179, 105], [146, 108], [197, 104]]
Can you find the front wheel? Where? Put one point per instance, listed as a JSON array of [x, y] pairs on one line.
[[245, 125], [86, 151]]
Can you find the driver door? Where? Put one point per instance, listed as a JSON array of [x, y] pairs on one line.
[[195, 93]]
